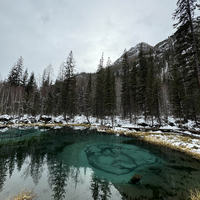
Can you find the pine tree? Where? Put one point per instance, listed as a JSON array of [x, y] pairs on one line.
[[68, 93], [31, 88], [58, 110], [177, 92], [99, 90], [89, 98], [109, 100], [142, 80], [126, 89], [31, 84], [24, 84], [134, 89], [16, 91], [36, 103], [49, 103], [25, 78], [185, 34], [15, 75], [153, 89], [186, 61]]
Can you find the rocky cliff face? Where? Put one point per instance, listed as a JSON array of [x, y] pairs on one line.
[[161, 50], [133, 52]]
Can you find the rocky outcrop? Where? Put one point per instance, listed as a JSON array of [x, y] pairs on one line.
[[135, 179]]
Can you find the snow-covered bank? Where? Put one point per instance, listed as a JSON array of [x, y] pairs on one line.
[[166, 124], [189, 144], [185, 139]]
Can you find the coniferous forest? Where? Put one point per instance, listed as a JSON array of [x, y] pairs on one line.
[[155, 82]]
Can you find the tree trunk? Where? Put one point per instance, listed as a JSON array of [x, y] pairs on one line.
[[87, 119], [112, 121]]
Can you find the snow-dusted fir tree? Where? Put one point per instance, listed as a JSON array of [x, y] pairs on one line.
[[185, 34], [68, 94], [25, 78], [99, 92], [16, 73], [134, 90], [32, 99], [185, 93], [153, 88], [142, 80], [109, 101], [126, 90]]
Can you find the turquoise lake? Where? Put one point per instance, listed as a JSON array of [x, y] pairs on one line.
[[84, 164]]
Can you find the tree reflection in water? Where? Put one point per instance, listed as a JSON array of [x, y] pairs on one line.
[[3, 171], [100, 188], [68, 164], [37, 153], [57, 178], [30, 155]]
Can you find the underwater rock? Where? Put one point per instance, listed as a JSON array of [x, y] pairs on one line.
[[135, 179], [118, 159]]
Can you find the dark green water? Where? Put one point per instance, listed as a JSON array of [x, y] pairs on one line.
[[73, 164]]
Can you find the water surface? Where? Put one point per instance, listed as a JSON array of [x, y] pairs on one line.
[[74, 164]]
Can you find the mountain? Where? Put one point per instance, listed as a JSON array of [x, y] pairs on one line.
[[134, 51], [160, 50]]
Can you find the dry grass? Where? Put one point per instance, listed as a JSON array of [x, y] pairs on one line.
[[195, 194], [23, 195], [85, 125], [185, 139], [182, 147], [156, 139], [45, 125]]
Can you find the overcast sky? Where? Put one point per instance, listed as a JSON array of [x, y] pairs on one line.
[[45, 31]]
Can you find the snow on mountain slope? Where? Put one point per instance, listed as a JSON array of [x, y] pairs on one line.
[[159, 50]]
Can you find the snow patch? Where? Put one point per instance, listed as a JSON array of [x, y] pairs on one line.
[[57, 127], [3, 130], [79, 127]]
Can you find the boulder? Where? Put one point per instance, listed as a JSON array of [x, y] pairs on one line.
[[171, 124], [135, 179], [143, 124], [102, 127], [5, 118], [45, 119], [24, 121]]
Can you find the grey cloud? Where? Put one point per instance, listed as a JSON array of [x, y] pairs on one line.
[[45, 19], [46, 31]]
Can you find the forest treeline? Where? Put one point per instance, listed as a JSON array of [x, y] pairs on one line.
[[154, 83]]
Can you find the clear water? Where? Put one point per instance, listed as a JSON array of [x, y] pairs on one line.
[[74, 164]]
